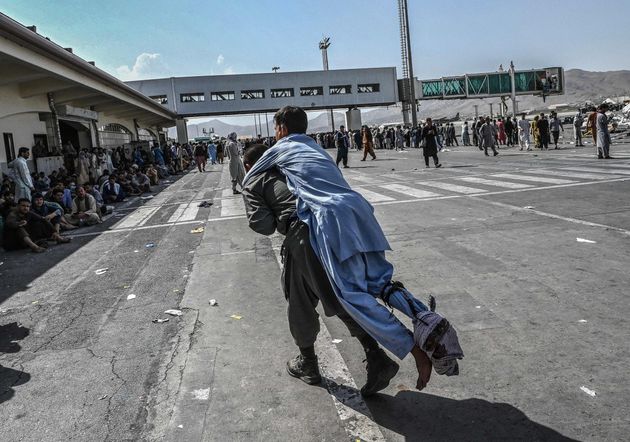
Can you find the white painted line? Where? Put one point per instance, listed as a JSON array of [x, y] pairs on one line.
[[365, 179], [535, 179], [353, 412], [506, 184], [417, 193], [231, 207], [584, 176], [594, 169], [139, 217], [190, 213], [452, 187], [178, 213], [373, 197]]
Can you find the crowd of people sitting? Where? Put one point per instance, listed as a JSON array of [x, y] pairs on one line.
[[36, 208]]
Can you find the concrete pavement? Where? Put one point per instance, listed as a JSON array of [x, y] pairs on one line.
[[526, 253]]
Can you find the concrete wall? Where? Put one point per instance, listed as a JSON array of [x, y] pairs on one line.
[[172, 88]]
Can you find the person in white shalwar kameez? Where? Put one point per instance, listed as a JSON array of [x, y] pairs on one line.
[[524, 129], [237, 170], [22, 175]]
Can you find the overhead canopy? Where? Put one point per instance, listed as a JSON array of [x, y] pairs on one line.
[[39, 66]]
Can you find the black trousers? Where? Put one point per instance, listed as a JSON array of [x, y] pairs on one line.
[[342, 155], [305, 284], [435, 159]]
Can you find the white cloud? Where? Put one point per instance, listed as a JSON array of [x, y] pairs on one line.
[[146, 66], [220, 59]]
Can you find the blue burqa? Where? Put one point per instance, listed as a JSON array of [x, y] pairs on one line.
[[345, 236]]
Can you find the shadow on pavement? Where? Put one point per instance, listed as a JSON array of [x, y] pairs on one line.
[[10, 377], [425, 417]]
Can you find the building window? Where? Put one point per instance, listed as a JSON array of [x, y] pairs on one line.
[[311, 91], [161, 99], [192, 98], [339, 90], [222, 96], [368, 88], [253, 94], [9, 147], [282, 93]]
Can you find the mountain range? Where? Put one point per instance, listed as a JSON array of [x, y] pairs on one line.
[[580, 86]]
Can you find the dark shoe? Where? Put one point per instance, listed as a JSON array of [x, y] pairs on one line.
[[236, 192], [304, 369], [496, 153], [437, 166], [380, 370], [609, 158], [600, 157]]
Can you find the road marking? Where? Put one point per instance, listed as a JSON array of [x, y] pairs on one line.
[[138, 218], [554, 216], [231, 204], [535, 179], [178, 213], [586, 176], [417, 193], [452, 187], [373, 197], [506, 184], [190, 213], [365, 179], [593, 169], [353, 412]]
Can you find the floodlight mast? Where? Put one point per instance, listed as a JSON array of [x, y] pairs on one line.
[[407, 64], [324, 44]]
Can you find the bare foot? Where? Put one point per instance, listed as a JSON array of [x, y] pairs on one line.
[[424, 367], [38, 250]]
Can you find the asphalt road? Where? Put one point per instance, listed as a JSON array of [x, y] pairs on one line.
[[527, 254]]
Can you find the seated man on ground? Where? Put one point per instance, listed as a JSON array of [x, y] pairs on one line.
[[111, 191], [141, 181], [24, 228], [100, 203], [42, 183], [56, 201], [49, 211], [127, 185], [152, 173], [84, 210]]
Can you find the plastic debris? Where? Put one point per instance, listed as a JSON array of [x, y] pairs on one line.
[[160, 320], [1, 262], [101, 271], [130, 297], [528, 207], [136, 251], [148, 197], [583, 321], [176, 290], [213, 302], [180, 426], [205, 204], [149, 245], [588, 391], [126, 286], [336, 341], [236, 317], [191, 252], [35, 302], [197, 230], [173, 312], [477, 306], [585, 240], [102, 397], [29, 285]]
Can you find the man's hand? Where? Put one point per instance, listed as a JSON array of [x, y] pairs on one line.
[[423, 365], [51, 216], [22, 223]]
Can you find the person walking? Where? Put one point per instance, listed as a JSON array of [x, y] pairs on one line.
[[399, 139], [603, 135], [430, 149], [509, 131], [488, 137], [342, 143], [201, 157], [237, 171], [465, 134], [555, 126], [212, 152], [523, 133], [536, 132], [578, 121], [543, 130], [501, 137], [367, 142]]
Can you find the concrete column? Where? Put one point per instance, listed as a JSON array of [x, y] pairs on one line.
[[353, 119], [182, 130]]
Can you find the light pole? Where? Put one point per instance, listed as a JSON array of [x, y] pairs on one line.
[[275, 69], [324, 44], [407, 63]]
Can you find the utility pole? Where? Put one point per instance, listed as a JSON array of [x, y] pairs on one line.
[[275, 69], [513, 80], [324, 44], [407, 64]]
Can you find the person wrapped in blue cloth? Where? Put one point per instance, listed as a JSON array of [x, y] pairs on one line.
[[334, 253]]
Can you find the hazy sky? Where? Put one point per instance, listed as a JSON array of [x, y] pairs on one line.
[[135, 39]]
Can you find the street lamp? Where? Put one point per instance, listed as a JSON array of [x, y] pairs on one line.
[[275, 69], [324, 44]]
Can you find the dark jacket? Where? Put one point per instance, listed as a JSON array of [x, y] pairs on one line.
[[430, 145]]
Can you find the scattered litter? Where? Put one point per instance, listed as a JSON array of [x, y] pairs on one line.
[[35, 302], [236, 317], [126, 286], [477, 306], [180, 426], [101, 271], [415, 168], [148, 197], [213, 302], [528, 207], [197, 230], [149, 245], [173, 312], [191, 252], [136, 251], [583, 321], [393, 168], [336, 341], [1, 262], [205, 204], [29, 285], [130, 297], [201, 394], [588, 391], [176, 290], [586, 240], [160, 320], [402, 387], [185, 276], [102, 397]]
